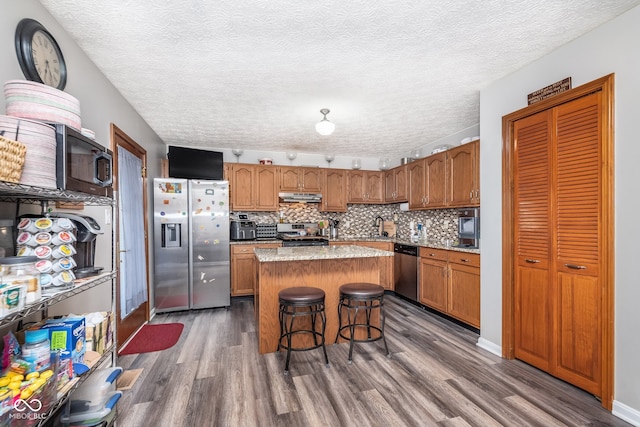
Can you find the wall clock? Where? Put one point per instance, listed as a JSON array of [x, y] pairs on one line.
[[39, 55]]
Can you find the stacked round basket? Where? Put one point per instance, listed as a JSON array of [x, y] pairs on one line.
[[29, 107]]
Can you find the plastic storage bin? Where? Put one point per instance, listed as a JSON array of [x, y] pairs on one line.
[[97, 388], [91, 415]]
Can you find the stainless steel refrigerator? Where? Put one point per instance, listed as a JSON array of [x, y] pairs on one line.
[[191, 244]]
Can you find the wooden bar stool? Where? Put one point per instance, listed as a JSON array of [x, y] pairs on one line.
[[358, 297], [300, 302]]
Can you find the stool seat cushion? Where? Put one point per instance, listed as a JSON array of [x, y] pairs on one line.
[[300, 294], [362, 290]]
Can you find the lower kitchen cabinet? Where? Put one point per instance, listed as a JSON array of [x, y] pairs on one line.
[[243, 275], [450, 283], [386, 271], [433, 274]]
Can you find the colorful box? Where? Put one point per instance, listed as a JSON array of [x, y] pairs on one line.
[[68, 336]]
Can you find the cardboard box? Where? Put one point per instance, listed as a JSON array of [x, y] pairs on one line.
[[69, 337]]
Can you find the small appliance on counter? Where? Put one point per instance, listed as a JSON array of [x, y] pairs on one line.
[[243, 229], [266, 231], [295, 234]]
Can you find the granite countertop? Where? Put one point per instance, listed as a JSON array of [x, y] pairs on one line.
[[255, 242], [435, 244], [307, 253], [421, 243]]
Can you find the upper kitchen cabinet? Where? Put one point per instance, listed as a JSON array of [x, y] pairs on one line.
[[447, 179], [427, 182], [396, 184], [334, 193], [463, 175], [253, 187], [299, 179], [365, 186]]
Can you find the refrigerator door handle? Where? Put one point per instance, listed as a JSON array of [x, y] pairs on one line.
[[171, 235]]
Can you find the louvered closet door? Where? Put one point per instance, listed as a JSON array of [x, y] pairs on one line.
[[578, 218], [533, 224]]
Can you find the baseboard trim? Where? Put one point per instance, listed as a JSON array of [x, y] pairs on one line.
[[489, 346], [626, 413]]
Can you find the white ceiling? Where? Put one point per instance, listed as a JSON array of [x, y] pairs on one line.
[[254, 74]]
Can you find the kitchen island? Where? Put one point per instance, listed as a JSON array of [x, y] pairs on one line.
[[324, 267]]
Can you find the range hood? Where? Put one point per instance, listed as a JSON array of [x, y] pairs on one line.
[[300, 197]]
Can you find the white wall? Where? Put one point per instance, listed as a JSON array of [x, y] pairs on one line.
[[101, 104], [611, 48]]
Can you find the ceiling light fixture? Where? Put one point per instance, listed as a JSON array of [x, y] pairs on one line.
[[324, 126]]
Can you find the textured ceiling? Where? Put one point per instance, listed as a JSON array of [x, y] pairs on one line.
[[254, 74]]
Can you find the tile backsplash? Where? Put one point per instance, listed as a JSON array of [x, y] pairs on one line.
[[358, 221]]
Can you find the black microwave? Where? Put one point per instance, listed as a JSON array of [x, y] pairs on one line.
[[82, 164]]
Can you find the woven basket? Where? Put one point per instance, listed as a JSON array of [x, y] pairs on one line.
[[12, 155]]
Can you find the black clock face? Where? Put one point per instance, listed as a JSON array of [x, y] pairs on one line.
[[39, 55]]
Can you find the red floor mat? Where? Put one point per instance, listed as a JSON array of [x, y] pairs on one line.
[[153, 337]]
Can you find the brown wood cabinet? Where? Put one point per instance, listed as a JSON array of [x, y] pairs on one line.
[[334, 190], [447, 179], [463, 300], [365, 186], [386, 269], [463, 175], [243, 267], [396, 184], [253, 187], [433, 273], [559, 248], [300, 179], [427, 182], [450, 283]]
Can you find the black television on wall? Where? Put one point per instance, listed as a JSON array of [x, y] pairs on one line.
[[191, 163]]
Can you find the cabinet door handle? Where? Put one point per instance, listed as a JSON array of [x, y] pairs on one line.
[[471, 195], [477, 195], [465, 260], [532, 261], [432, 254], [576, 267]]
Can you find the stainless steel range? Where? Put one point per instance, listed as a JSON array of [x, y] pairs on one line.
[[290, 234]]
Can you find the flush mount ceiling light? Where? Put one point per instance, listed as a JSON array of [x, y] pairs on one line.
[[324, 126]]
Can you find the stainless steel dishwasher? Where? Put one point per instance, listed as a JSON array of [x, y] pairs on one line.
[[406, 270]]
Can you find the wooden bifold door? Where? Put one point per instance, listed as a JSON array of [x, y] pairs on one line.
[[560, 216]]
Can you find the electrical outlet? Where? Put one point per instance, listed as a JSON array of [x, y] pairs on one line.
[[445, 223], [107, 216]]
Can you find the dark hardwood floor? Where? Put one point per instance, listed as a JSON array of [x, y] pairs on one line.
[[437, 375]]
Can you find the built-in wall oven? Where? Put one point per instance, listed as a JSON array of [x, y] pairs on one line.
[[468, 227]]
